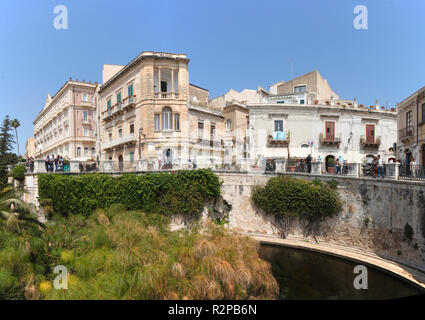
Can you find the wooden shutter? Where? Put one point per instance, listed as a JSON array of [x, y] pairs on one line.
[[370, 133], [330, 130]]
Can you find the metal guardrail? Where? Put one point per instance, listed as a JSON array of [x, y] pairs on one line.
[[412, 172]]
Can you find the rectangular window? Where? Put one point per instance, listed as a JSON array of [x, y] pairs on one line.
[[299, 89], [163, 86], [228, 124], [409, 118], [302, 101], [177, 122], [120, 133], [212, 131], [200, 129], [78, 152], [370, 133], [330, 130], [86, 132], [86, 152], [119, 97], [85, 116], [85, 97], [157, 128], [131, 127], [132, 156], [423, 112], [278, 125], [108, 105], [93, 152], [130, 90]]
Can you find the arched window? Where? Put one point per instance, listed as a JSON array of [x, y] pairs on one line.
[[167, 119]]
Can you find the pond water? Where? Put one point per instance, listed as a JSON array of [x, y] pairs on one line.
[[304, 274]]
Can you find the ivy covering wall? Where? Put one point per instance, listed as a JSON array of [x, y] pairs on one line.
[[183, 192], [291, 197]]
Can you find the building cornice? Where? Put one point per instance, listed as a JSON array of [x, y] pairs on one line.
[[60, 92], [272, 107], [180, 57]]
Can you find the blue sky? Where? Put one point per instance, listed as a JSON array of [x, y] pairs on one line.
[[231, 44]]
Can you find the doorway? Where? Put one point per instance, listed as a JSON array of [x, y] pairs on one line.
[[423, 155], [168, 159], [330, 162], [120, 163]]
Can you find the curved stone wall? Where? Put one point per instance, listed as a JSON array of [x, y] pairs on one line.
[[373, 219]]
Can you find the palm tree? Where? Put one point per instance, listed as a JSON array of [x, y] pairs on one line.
[[15, 124], [15, 213]]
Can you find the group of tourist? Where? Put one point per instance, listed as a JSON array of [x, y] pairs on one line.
[[164, 162], [54, 163]]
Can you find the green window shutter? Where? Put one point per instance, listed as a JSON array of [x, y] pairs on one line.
[[119, 97], [130, 90], [131, 157], [108, 103]]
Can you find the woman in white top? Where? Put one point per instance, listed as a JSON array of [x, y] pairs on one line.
[[413, 167]]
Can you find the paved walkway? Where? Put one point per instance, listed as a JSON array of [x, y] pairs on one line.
[[351, 253]]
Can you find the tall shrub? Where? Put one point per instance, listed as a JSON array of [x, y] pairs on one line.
[[183, 192], [284, 198]]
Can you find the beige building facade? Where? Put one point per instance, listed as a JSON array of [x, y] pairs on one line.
[[411, 128], [30, 147], [67, 123], [151, 115]]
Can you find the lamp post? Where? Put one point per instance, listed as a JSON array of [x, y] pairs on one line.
[[140, 142]]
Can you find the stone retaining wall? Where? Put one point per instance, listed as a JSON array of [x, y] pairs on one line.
[[374, 215]]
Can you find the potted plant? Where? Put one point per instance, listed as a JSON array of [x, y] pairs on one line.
[[331, 165], [316, 101]]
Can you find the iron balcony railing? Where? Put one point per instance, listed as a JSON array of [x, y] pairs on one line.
[[406, 133], [120, 141], [412, 172]]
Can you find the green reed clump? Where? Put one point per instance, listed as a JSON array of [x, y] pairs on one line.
[[119, 254]]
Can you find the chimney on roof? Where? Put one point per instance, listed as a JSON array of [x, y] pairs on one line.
[[355, 104], [377, 105]]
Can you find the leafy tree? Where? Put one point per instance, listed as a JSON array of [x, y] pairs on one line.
[[6, 138], [6, 145], [16, 124], [17, 216]]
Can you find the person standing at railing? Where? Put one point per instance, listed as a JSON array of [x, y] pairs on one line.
[[159, 160], [413, 167], [338, 166], [308, 160], [380, 163]]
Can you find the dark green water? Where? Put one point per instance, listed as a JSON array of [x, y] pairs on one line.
[[304, 274]]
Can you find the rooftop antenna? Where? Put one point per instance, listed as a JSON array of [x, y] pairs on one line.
[[292, 68]]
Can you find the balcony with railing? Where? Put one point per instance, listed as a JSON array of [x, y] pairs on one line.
[[166, 95], [370, 142], [119, 108], [129, 102], [329, 141], [278, 138], [124, 140], [406, 133]]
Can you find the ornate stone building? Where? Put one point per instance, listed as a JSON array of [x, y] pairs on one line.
[[149, 111], [67, 123], [305, 116]]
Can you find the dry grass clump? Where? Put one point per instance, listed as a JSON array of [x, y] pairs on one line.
[[130, 255]]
